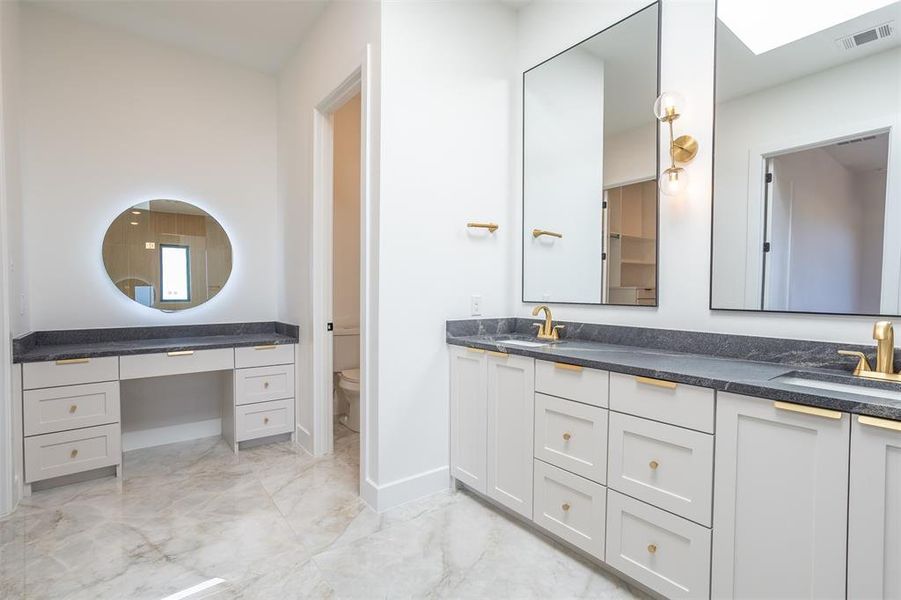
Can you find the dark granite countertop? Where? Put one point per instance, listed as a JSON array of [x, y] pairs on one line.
[[93, 343], [740, 376]]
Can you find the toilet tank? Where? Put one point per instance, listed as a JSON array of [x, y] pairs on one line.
[[346, 345]]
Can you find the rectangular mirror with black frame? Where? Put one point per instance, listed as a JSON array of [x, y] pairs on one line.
[[807, 178], [590, 164]]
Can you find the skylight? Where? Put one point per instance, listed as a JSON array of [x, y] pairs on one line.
[[763, 25]]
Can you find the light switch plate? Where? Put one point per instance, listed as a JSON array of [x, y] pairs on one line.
[[475, 305]]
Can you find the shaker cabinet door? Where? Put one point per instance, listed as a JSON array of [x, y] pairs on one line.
[[469, 430]]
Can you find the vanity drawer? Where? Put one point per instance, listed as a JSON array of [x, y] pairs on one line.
[[70, 407], [674, 403], [263, 356], [570, 507], [264, 419], [137, 366], [572, 382], [572, 436], [264, 383], [667, 466], [666, 553], [71, 371], [67, 452]]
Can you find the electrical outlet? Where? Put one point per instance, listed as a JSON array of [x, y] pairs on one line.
[[475, 305]]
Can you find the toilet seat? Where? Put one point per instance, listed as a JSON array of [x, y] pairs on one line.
[[351, 375]]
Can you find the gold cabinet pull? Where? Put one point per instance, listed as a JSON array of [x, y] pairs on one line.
[[540, 232], [498, 354], [491, 227], [265, 420], [475, 350], [74, 453], [670, 385], [266, 347], [181, 353], [568, 367], [652, 548], [72, 409], [808, 410], [654, 464], [73, 361], [883, 423], [567, 436], [566, 507]]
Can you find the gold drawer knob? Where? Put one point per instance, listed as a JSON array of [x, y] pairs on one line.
[[567, 436], [74, 453], [652, 548], [565, 507], [73, 408], [654, 464], [265, 420], [265, 385]]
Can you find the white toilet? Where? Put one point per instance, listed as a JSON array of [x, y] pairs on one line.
[[346, 364]]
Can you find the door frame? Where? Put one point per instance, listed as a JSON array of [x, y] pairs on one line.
[[358, 81]]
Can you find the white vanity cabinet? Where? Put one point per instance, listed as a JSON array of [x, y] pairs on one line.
[[780, 503], [510, 403], [469, 417], [874, 528]]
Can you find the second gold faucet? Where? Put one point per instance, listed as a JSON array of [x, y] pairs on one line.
[[547, 331], [884, 334]]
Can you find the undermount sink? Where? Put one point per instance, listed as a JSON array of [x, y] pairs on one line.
[[832, 386], [523, 343]]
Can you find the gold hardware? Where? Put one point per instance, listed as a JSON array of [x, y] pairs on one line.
[[72, 409], [884, 334], [491, 227], [475, 350], [73, 361], [670, 385], [883, 423], [654, 464], [565, 506], [548, 331], [863, 363], [808, 410], [652, 548], [265, 385], [498, 354], [682, 149], [566, 367], [267, 347], [181, 353], [74, 453], [265, 420], [540, 232], [567, 436]]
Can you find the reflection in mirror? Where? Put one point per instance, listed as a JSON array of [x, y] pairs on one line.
[[590, 169], [806, 199], [167, 254]]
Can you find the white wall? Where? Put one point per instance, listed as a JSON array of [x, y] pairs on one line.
[[111, 120], [446, 158], [631, 155], [547, 28]]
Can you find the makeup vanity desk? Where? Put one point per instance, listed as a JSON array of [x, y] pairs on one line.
[[70, 409]]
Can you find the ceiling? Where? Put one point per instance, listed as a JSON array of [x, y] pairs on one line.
[[862, 155], [260, 34], [739, 71]]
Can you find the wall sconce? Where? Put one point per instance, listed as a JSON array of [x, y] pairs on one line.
[[683, 149]]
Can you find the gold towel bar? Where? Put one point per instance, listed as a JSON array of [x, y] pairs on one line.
[[808, 410], [73, 361], [181, 353], [540, 232], [875, 422], [568, 367], [670, 385], [491, 227]]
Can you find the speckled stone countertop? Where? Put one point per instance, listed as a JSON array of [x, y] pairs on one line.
[[730, 373], [91, 343]]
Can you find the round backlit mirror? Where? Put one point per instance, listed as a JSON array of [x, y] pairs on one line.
[[167, 254]]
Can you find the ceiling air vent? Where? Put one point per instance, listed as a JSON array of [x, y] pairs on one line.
[[849, 42]]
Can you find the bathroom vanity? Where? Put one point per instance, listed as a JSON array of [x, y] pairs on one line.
[[723, 475], [70, 402]]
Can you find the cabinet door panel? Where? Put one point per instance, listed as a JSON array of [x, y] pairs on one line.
[[780, 501], [469, 416], [511, 408], [874, 532]]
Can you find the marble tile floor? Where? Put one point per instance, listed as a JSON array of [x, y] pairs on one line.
[[273, 523]]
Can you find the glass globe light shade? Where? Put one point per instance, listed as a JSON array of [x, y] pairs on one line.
[[673, 181], [668, 106]]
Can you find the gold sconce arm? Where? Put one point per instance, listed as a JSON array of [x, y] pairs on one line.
[[540, 232], [491, 227]]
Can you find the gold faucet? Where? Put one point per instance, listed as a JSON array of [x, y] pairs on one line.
[[548, 331], [884, 334]]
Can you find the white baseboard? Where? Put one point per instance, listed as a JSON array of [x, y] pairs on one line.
[[384, 497], [160, 436], [304, 439]]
